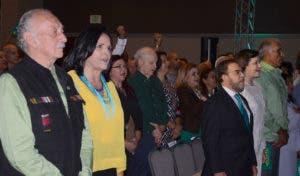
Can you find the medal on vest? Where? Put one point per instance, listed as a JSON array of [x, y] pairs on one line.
[[46, 122], [45, 99]]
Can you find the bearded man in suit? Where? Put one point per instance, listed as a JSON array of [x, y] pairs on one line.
[[226, 123]]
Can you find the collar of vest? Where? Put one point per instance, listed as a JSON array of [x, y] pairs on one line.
[[34, 66]]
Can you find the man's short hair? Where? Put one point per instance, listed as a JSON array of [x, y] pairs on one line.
[[222, 69], [142, 52], [24, 25], [221, 59], [266, 46], [173, 55]]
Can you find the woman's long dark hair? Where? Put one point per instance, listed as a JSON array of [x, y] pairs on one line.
[[203, 74], [244, 56], [83, 48]]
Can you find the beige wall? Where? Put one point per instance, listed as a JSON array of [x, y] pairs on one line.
[[189, 45], [11, 11]]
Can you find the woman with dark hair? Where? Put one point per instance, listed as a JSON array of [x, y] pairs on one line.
[[250, 64], [173, 129], [208, 81], [133, 116], [190, 101], [86, 63]]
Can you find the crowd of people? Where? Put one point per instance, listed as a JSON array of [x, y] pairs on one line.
[[102, 112]]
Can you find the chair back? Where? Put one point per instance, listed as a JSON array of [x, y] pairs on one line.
[[184, 160], [198, 154], [162, 163]]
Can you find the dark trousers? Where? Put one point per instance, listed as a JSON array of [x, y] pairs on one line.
[[129, 157], [275, 162], [139, 165], [107, 172]]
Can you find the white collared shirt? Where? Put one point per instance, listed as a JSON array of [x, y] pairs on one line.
[[231, 93], [120, 47]]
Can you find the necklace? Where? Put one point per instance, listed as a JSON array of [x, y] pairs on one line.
[[105, 97], [199, 95]]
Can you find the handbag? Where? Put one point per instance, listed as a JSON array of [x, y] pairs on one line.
[[130, 129]]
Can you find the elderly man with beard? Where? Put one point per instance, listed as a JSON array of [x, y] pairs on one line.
[[43, 130], [149, 91], [226, 123]]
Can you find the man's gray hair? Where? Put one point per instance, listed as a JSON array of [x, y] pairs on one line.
[[266, 46], [221, 59], [143, 52], [24, 25]]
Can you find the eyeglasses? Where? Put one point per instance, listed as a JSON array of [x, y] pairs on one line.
[[120, 66]]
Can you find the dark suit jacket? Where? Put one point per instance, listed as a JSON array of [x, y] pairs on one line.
[[227, 143]]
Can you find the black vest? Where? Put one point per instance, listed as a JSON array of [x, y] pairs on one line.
[[57, 134]]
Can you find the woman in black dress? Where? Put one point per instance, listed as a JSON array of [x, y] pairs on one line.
[[117, 73]]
